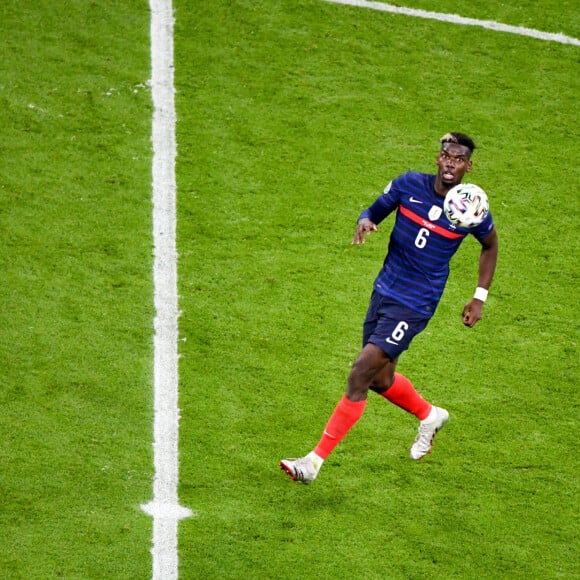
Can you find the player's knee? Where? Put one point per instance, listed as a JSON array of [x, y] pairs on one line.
[[360, 378], [380, 385]]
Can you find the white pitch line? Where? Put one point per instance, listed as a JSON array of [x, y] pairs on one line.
[[455, 19], [164, 508]]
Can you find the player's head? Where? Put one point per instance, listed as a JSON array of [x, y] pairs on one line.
[[458, 139], [454, 160]]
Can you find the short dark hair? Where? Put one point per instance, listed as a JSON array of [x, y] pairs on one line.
[[460, 139]]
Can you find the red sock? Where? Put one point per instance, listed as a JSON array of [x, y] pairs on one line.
[[403, 394], [346, 414]]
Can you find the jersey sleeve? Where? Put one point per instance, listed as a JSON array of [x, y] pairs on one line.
[[484, 228], [383, 205]]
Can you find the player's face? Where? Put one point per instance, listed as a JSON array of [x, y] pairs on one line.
[[453, 163]]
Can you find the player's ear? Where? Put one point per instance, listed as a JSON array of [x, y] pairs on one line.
[[469, 166]]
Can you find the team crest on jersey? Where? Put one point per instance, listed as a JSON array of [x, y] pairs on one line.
[[435, 213]]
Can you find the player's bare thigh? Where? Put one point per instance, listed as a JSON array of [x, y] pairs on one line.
[[372, 369]]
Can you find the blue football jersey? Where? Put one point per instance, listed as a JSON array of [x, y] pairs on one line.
[[422, 241]]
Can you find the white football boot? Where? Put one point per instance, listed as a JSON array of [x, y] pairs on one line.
[[427, 431], [304, 469]]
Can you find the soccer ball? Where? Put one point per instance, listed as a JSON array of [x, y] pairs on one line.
[[466, 205]]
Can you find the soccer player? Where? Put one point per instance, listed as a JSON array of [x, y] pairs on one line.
[[405, 296]]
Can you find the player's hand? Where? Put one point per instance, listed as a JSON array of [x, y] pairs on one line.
[[472, 312], [363, 228]]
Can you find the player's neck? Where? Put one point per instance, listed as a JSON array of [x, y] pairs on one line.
[[440, 187]]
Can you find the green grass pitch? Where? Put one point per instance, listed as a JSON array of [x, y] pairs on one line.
[[292, 117]]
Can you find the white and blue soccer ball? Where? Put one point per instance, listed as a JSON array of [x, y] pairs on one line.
[[466, 205]]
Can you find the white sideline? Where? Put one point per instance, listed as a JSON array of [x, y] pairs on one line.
[[455, 19], [164, 508]]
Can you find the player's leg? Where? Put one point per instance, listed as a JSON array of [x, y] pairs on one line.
[[396, 327], [347, 412], [402, 393], [399, 390], [349, 409], [372, 361]]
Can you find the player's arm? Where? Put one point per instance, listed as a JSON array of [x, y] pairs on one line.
[[371, 217], [472, 312]]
